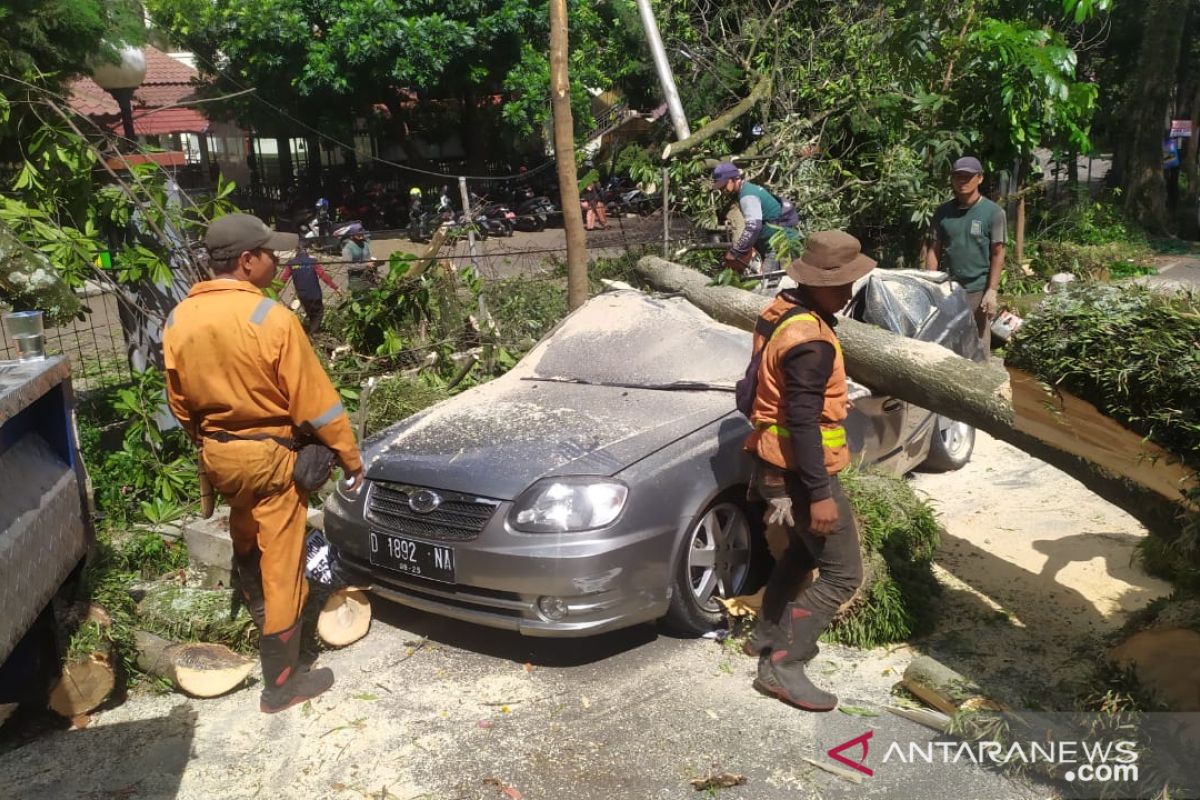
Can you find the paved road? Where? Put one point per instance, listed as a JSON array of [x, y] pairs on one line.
[[426, 708], [1182, 273]]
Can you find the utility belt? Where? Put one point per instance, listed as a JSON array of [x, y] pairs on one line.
[[226, 436], [314, 459]]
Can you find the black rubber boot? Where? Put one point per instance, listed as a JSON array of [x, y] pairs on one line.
[[765, 637], [789, 572], [250, 581], [781, 674], [284, 683]]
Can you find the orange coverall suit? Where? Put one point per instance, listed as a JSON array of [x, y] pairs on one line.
[[239, 362]]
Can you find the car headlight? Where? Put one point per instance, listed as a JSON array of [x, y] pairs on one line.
[[560, 505]]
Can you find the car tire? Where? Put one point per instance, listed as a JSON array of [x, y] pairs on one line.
[[708, 565], [950, 446]]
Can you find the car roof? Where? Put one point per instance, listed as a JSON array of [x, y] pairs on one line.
[[629, 338]]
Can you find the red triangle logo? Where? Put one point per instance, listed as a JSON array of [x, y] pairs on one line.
[[860, 765]]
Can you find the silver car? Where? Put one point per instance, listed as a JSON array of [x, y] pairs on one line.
[[602, 481]]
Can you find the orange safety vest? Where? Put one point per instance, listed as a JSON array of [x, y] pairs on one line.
[[770, 440]]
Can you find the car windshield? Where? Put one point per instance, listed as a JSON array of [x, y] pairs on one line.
[[627, 338]]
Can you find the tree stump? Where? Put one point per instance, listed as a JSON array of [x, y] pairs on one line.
[[88, 674]]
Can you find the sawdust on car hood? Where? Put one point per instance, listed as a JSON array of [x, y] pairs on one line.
[[620, 378]]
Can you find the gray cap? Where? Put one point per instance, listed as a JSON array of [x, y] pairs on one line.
[[968, 164], [234, 234]]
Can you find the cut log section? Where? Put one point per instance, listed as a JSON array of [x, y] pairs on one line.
[[88, 676], [944, 689], [197, 668], [85, 684], [345, 617]]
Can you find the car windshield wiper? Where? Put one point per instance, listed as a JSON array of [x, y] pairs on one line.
[[673, 386]]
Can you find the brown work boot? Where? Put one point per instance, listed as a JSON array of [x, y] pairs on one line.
[[781, 674], [285, 683]]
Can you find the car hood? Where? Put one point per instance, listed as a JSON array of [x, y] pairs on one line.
[[497, 439], [622, 376]]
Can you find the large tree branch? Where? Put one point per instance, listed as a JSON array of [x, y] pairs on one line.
[[743, 106], [1059, 429]]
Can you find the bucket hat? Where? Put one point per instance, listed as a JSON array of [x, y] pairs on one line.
[[831, 258]]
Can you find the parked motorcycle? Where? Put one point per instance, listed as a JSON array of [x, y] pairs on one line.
[[622, 198], [318, 232], [537, 213], [496, 219]]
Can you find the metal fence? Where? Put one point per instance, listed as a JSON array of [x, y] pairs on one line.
[[97, 349]]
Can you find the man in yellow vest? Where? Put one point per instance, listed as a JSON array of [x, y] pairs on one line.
[[800, 403]]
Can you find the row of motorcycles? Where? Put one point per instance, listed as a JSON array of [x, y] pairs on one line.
[[324, 228], [530, 212]]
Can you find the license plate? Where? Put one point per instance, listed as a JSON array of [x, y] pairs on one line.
[[421, 559]]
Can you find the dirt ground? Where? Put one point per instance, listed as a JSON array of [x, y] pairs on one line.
[[1034, 568], [1036, 571]]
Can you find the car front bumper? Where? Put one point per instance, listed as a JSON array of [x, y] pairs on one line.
[[552, 585]]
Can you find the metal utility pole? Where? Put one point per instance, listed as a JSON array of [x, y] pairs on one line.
[[468, 214], [674, 106], [564, 157]]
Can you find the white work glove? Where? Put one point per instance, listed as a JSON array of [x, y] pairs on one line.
[[990, 303], [779, 512]]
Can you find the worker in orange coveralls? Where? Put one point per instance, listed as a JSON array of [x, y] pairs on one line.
[[240, 371]]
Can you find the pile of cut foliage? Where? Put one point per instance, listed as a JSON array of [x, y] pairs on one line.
[[900, 536], [1134, 353]]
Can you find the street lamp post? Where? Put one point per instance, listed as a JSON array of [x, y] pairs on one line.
[[121, 80]]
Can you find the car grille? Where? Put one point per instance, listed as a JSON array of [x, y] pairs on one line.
[[459, 517]]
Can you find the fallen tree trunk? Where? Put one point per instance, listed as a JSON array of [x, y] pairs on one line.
[[1130, 473], [187, 613], [198, 668]]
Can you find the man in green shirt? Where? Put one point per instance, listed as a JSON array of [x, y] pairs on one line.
[[765, 215], [967, 241], [360, 269]]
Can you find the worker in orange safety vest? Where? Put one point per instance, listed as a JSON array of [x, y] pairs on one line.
[[800, 403], [244, 381]]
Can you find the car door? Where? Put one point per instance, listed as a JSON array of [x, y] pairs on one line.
[[874, 428]]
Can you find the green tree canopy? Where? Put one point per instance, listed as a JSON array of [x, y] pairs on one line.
[[51, 41], [872, 101], [329, 60]]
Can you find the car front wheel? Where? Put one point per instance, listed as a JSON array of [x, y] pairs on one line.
[[716, 560], [951, 446]]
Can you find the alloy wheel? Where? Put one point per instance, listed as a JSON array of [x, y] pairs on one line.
[[955, 435], [718, 554]]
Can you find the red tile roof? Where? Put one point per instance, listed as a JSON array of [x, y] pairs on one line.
[[167, 83]]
